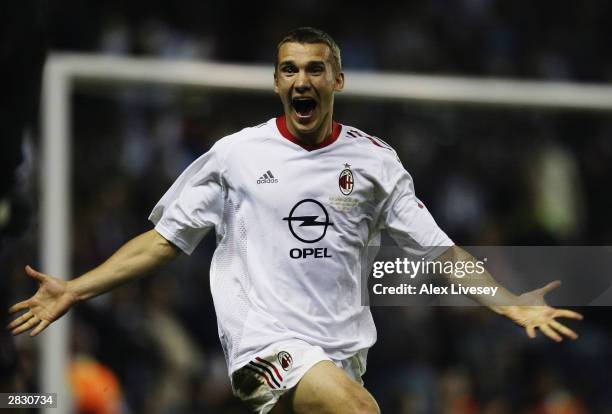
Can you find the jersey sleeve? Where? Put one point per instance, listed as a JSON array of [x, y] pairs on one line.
[[193, 204], [406, 218]]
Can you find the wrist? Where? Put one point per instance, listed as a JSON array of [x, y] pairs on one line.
[[506, 310], [72, 291]]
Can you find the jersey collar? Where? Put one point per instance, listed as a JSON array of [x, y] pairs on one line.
[[281, 124]]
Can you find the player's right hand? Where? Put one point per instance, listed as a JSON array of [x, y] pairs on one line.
[[51, 301]]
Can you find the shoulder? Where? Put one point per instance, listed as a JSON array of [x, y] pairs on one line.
[[238, 140], [371, 144]]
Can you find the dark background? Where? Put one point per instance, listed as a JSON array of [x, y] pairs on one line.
[[490, 176]]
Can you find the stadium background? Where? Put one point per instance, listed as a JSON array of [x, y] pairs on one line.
[[489, 175]]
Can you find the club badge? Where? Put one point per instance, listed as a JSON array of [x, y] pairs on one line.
[[285, 360], [346, 180]]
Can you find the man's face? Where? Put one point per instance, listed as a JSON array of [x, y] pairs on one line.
[[306, 81]]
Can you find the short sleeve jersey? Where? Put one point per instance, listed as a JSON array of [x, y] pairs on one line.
[[293, 223]]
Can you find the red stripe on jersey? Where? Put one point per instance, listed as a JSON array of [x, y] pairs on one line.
[[272, 365], [374, 142], [378, 144], [281, 124]]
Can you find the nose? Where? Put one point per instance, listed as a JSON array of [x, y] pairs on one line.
[[302, 83]]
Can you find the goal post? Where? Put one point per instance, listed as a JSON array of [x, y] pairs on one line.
[[64, 71]]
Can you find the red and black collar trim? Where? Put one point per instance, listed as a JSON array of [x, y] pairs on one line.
[[281, 124]]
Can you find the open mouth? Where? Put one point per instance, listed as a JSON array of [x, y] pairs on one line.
[[304, 107]]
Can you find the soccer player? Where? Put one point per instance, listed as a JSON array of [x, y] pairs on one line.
[[295, 203]]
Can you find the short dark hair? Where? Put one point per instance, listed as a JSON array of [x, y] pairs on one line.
[[311, 35]]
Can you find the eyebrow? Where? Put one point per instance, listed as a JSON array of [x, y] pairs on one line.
[[311, 63]]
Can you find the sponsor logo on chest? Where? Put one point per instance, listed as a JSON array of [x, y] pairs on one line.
[[309, 221]]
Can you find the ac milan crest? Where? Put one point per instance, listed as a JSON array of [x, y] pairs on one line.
[[285, 360], [346, 180]]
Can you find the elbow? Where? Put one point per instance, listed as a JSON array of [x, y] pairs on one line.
[[164, 248]]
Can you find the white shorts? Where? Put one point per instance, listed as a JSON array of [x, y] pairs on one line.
[[279, 367]]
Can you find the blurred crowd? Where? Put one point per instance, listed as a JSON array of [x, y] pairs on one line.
[[490, 176], [544, 39]]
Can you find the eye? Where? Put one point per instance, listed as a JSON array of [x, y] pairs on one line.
[[288, 69], [317, 70]]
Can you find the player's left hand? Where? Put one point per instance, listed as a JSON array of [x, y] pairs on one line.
[[532, 312]]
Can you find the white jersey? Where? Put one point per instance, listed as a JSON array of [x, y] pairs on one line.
[[293, 223]]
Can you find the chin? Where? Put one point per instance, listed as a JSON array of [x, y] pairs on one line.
[[310, 125], [308, 128]]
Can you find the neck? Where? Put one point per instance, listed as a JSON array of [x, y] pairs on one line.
[[315, 137], [323, 136]]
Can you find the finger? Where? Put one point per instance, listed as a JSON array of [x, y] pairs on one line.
[[24, 327], [566, 313], [41, 327], [20, 320], [564, 329], [552, 285], [19, 306], [547, 330], [34, 274], [531, 332]]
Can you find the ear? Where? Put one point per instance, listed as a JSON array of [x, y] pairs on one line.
[[275, 83], [339, 82]]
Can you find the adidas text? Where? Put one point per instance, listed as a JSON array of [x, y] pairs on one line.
[[267, 180]]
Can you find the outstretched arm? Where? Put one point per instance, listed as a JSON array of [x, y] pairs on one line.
[[528, 310], [54, 297]]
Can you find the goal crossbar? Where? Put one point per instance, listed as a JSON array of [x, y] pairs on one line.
[[359, 84]]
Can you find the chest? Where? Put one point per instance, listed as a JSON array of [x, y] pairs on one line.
[[304, 187]]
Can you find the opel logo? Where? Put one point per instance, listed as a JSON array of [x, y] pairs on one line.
[[310, 229]]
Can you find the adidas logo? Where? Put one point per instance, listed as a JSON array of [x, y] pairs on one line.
[[267, 178]]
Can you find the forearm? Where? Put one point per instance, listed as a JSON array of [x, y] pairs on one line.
[[499, 302], [134, 259]]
